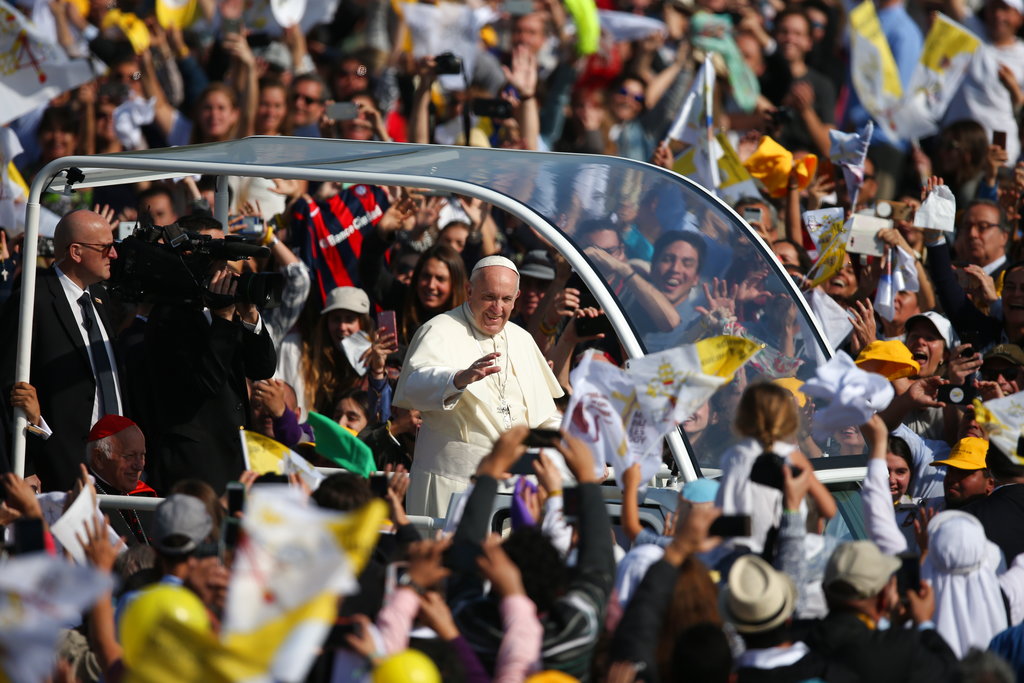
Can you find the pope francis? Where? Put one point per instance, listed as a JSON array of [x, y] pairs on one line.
[[505, 381]]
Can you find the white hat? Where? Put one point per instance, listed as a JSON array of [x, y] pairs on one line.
[[489, 261], [756, 597], [1016, 4], [941, 324], [347, 299]]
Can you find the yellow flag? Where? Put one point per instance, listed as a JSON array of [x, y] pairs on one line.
[[262, 453], [723, 356], [832, 253], [872, 67]]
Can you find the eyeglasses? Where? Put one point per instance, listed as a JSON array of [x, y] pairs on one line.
[[359, 71], [639, 97], [306, 98], [104, 249]]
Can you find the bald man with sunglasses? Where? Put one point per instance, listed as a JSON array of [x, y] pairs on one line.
[[74, 359]]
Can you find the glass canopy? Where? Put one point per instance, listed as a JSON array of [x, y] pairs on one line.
[[606, 215]]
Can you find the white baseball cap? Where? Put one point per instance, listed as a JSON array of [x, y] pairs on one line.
[[941, 324]]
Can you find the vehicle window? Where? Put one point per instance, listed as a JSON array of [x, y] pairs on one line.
[[848, 524]]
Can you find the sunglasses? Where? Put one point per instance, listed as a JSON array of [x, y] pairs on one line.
[[306, 98], [639, 97], [104, 248]]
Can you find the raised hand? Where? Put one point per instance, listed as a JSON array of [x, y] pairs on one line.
[[481, 368]]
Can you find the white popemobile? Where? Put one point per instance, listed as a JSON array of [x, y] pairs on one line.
[[553, 194]]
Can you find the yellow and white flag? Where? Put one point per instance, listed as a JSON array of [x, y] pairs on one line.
[[734, 180], [948, 50], [262, 454], [672, 384], [1003, 422], [33, 69], [872, 67], [293, 563]]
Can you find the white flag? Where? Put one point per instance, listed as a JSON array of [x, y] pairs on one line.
[[848, 151], [694, 126], [628, 27], [604, 413], [444, 27], [900, 276], [34, 69]]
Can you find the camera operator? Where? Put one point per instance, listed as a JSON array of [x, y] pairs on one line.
[[197, 362]]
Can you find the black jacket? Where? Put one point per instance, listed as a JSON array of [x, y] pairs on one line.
[[62, 375], [196, 372], [572, 627], [811, 667], [897, 655], [1002, 515]]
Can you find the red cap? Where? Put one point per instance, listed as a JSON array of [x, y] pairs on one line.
[[107, 426]]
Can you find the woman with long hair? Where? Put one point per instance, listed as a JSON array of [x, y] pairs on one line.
[[438, 284]]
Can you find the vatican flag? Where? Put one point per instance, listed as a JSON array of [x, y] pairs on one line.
[[872, 67], [948, 50], [672, 384]]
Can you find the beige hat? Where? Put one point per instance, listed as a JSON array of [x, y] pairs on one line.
[[757, 598], [347, 299], [858, 570]]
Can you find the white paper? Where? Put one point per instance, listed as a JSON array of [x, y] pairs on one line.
[[294, 463], [354, 346], [75, 522], [938, 210]]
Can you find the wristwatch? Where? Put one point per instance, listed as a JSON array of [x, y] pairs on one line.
[[405, 581]]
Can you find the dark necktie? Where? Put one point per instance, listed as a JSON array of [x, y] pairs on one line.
[[100, 359]]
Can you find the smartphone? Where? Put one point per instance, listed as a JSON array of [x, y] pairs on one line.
[[767, 470], [386, 323], [730, 526], [999, 138], [587, 299], [967, 352], [379, 485], [392, 573], [863, 237], [336, 637], [461, 556], [236, 497], [517, 8], [753, 214], [252, 226], [28, 536], [543, 438], [230, 26], [495, 108], [524, 465], [343, 111], [957, 396], [571, 503], [908, 576]]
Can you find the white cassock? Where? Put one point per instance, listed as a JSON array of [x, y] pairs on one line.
[[460, 427]]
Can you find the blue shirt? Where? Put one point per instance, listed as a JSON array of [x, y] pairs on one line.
[[906, 42]]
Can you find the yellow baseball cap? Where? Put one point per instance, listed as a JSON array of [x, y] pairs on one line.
[[891, 359], [968, 454]]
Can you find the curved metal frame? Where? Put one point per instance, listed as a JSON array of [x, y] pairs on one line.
[[142, 164]]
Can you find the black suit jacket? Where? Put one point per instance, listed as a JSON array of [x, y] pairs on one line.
[[62, 376], [1002, 515], [196, 372]]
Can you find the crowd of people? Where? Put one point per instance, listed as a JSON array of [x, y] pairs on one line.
[[437, 334]]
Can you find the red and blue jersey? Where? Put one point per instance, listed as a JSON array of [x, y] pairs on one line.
[[329, 234]]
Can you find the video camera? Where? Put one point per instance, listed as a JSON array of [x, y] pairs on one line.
[[169, 264]]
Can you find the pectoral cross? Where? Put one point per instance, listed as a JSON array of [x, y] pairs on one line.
[[505, 410]]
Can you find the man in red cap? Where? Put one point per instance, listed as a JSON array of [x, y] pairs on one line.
[[115, 452]]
